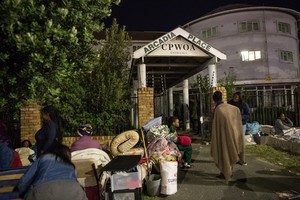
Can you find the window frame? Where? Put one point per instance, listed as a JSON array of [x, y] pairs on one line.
[[287, 54], [251, 53], [284, 27], [249, 26], [212, 30]]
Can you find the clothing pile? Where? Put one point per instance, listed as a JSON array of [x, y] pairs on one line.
[[160, 149]]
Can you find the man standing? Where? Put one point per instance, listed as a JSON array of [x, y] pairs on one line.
[[227, 140]]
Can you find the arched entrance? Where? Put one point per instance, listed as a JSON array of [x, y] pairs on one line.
[[166, 62]]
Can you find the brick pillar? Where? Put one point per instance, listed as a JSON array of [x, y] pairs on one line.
[[30, 121], [297, 105], [145, 105]]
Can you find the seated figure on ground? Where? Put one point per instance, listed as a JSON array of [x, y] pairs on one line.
[[25, 152], [85, 132], [283, 125], [182, 143], [52, 176]]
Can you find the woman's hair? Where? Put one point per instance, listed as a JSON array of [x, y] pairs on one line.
[[239, 95], [54, 116], [29, 143], [279, 114], [171, 120], [61, 151]]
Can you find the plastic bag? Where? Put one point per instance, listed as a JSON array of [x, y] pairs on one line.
[[168, 170]]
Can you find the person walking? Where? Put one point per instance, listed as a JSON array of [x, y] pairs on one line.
[[227, 139], [237, 101]]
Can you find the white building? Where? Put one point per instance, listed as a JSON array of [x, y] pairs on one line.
[[262, 48], [261, 44]]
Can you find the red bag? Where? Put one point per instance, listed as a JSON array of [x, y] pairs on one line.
[[184, 140]]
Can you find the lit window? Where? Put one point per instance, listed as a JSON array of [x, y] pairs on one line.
[[210, 32], [250, 55], [286, 56], [249, 26], [284, 27]]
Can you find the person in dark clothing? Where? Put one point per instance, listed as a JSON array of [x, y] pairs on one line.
[[244, 108], [4, 136], [50, 131], [194, 116]]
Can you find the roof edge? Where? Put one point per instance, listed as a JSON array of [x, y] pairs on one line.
[[294, 13]]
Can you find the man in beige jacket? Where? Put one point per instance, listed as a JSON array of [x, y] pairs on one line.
[[227, 139]]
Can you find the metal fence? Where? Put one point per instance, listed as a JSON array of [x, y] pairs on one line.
[[265, 107]]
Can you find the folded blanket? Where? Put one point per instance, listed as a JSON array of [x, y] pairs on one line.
[[100, 159]]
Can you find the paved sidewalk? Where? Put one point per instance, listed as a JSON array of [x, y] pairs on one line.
[[258, 180]]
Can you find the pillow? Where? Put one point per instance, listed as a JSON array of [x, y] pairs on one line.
[[184, 140]]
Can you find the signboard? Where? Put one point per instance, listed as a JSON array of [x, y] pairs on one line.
[[178, 47], [163, 41]]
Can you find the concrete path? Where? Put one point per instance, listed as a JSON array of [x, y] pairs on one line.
[[258, 180]]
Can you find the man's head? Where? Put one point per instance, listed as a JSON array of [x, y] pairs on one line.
[[174, 121], [217, 96]]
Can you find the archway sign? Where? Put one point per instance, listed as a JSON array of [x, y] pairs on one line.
[[172, 58]]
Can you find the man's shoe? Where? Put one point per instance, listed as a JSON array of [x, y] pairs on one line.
[[221, 176]]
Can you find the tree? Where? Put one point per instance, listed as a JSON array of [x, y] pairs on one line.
[[46, 47], [109, 92], [228, 82]]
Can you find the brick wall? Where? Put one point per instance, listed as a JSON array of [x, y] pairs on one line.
[[103, 140], [145, 105], [30, 121]]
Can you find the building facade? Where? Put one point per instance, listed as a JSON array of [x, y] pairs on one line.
[[261, 44], [262, 48]]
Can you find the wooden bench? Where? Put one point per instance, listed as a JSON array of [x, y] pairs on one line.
[[8, 180]]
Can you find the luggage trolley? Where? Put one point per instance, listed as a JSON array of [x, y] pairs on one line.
[[122, 163]]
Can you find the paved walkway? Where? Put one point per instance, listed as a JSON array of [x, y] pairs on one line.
[[258, 180]]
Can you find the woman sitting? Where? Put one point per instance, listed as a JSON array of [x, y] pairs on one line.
[[85, 132], [52, 176], [283, 125], [25, 152]]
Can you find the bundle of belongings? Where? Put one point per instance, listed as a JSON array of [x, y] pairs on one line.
[[88, 155], [160, 149], [265, 134], [160, 145], [164, 154]]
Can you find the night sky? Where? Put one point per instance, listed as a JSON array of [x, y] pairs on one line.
[[165, 15]]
